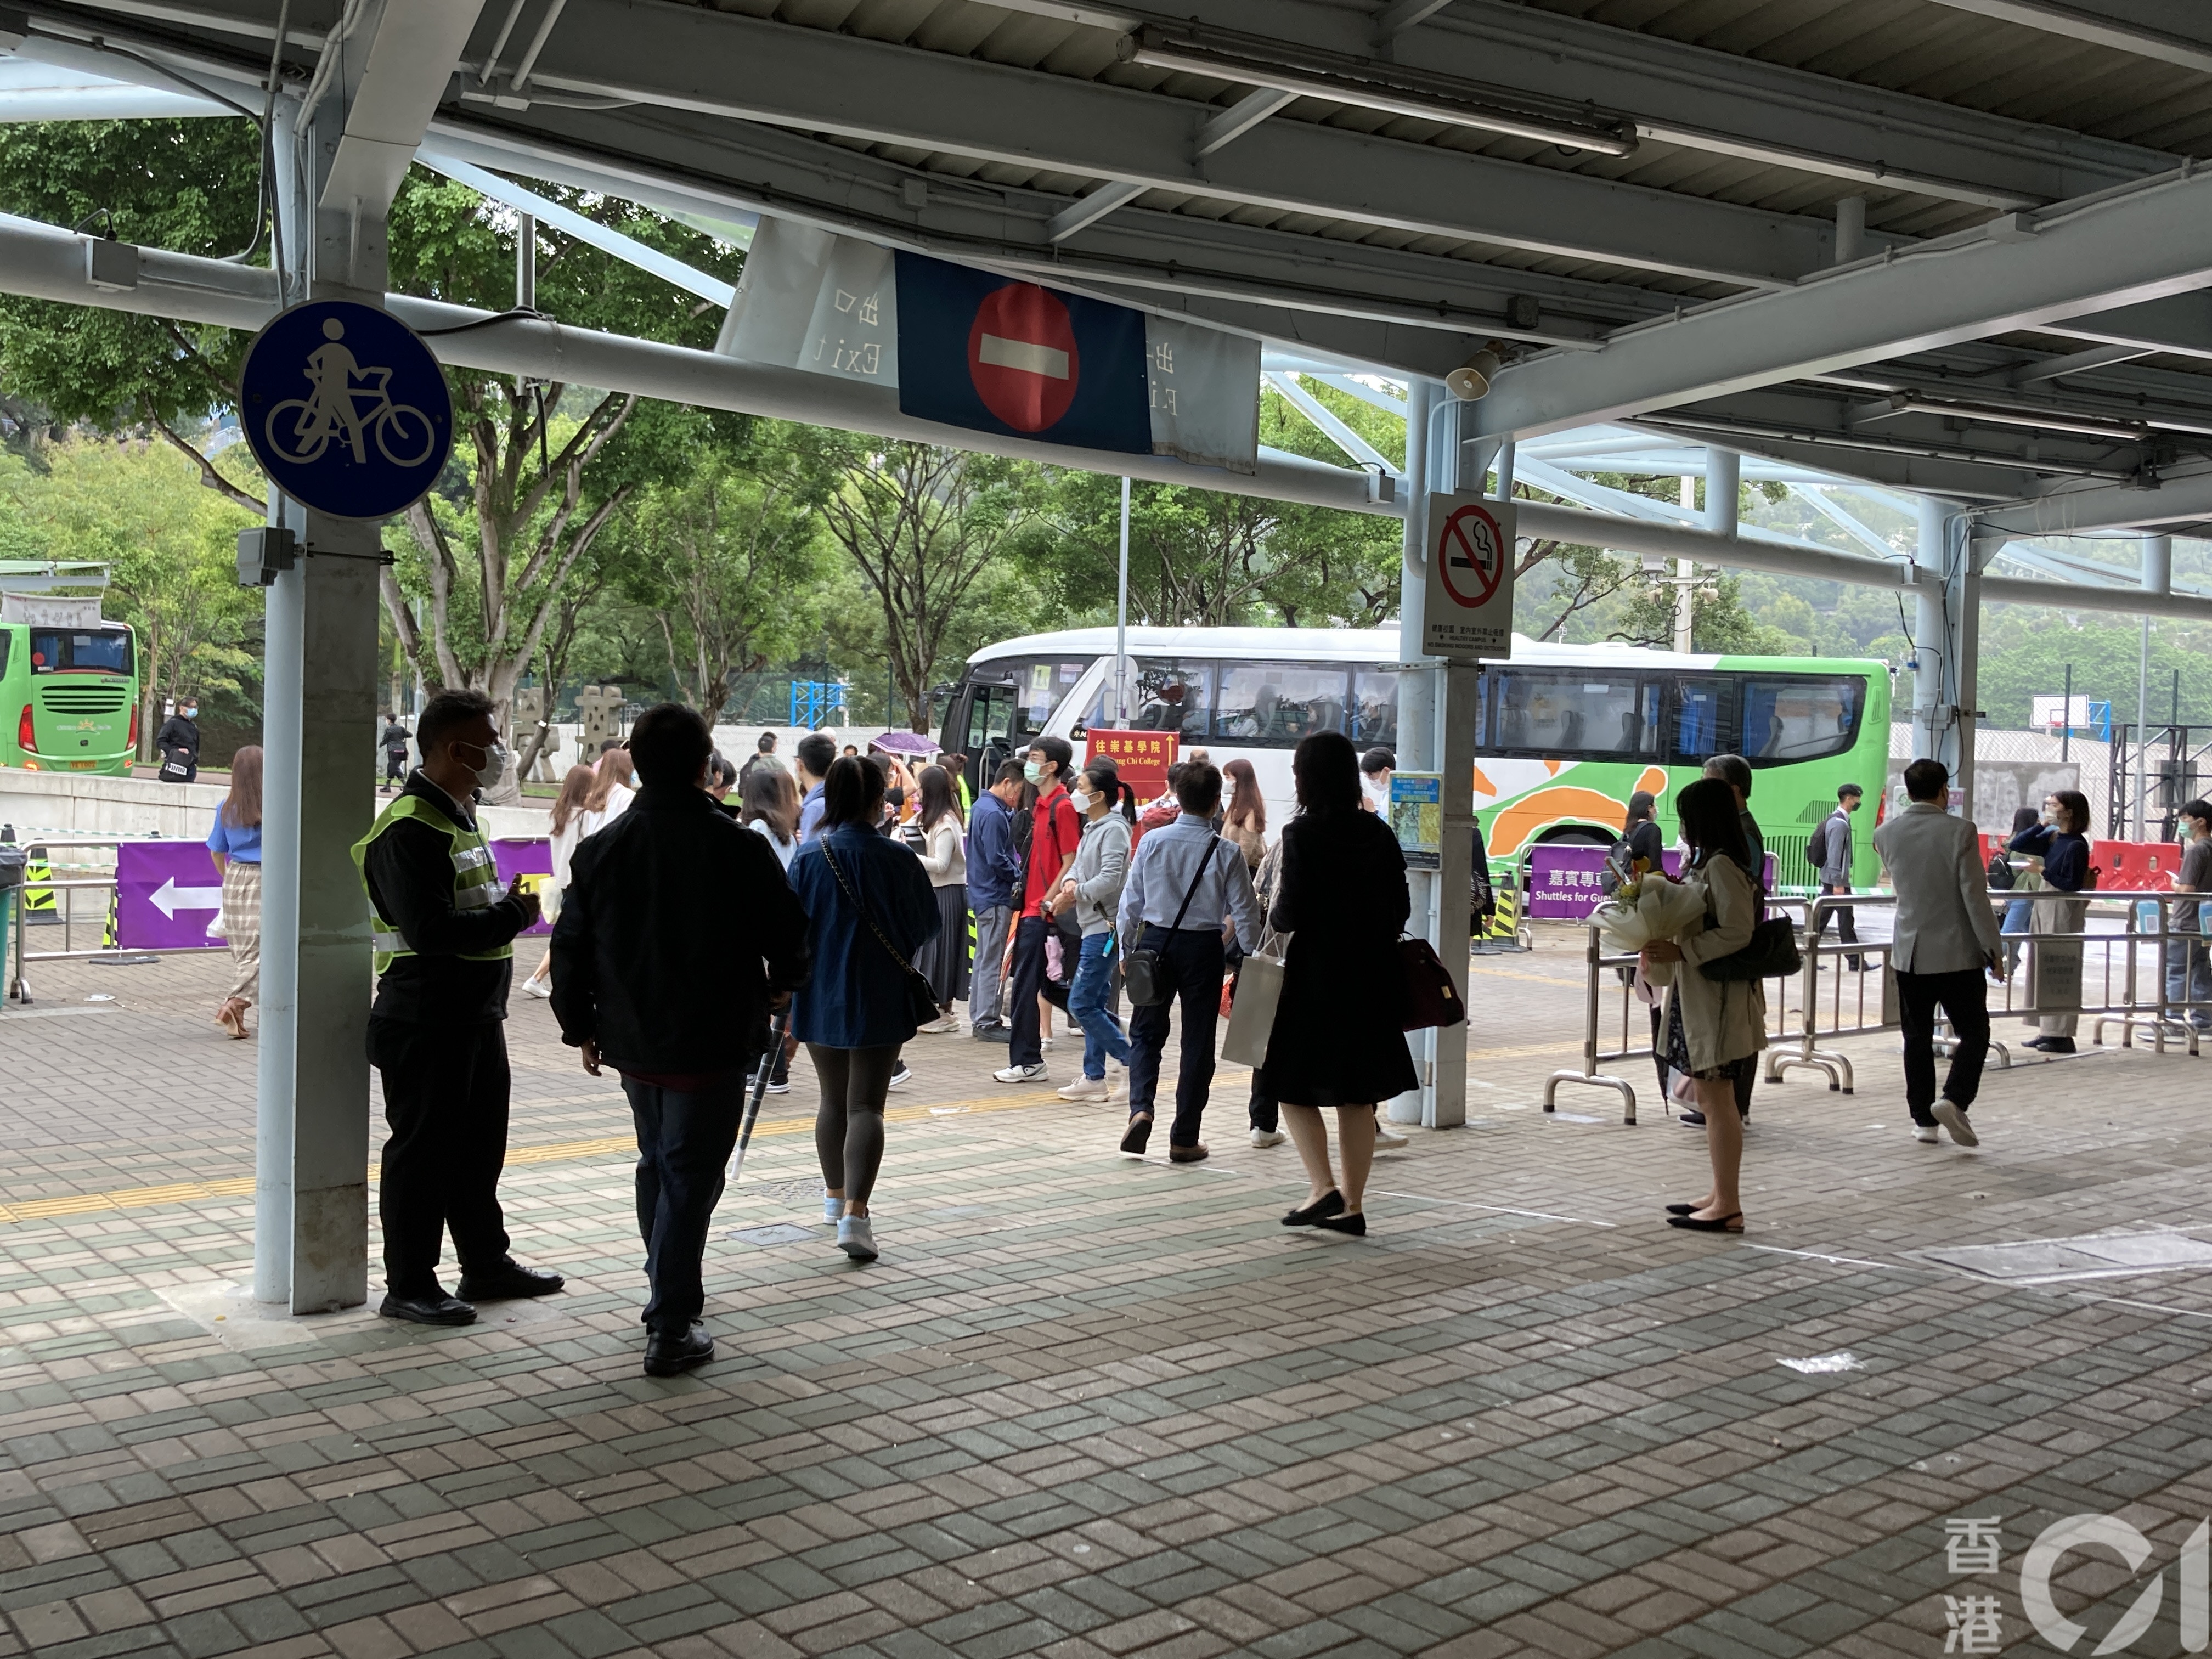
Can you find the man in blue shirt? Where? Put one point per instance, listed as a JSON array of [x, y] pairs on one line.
[[815, 750], [1186, 885], [994, 884]]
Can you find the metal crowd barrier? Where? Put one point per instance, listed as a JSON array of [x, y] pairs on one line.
[[2115, 972]]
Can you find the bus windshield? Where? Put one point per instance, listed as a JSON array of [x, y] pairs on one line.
[[73, 651]]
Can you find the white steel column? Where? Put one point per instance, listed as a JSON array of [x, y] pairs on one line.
[[337, 178], [2157, 554], [1417, 709], [1686, 584], [1946, 637]]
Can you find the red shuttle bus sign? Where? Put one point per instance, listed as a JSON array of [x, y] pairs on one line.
[[1142, 757], [1470, 614]]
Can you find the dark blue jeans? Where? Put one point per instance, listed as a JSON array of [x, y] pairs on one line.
[[1191, 967], [683, 1147]]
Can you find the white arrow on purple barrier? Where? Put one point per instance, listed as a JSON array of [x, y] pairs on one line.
[[169, 898]]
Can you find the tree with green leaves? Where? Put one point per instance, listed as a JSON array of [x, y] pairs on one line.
[[726, 561], [922, 525], [171, 554]]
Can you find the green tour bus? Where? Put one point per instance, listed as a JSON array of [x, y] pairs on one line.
[[68, 680], [1564, 734]]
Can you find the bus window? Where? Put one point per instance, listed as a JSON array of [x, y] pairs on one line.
[[1705, 717], [1041, 685], [1574, 713], [62, 651], [1801, 718], [1172, 697], [1272, 705], [989, 737], [1374, 709]]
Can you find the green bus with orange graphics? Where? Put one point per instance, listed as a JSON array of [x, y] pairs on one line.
[[1564, 734]]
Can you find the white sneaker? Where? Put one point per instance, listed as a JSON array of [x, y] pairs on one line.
[[1117, 1083], [900, 1077], [939, 1027], [833, 1209], [1925, 1132], [1269, 1137], [856, 1238], [1045, 1043], [1949, 1115], [536, 988], [1387, 1139], [1022, 1074], [1086, 1088], [777, 1088]]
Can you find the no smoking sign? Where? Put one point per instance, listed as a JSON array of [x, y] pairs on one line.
[[1469, 613]]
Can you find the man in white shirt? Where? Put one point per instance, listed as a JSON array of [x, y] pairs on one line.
[[1947, 937], [1186, 886]]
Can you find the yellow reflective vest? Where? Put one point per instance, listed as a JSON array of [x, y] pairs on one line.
[[475, 879]]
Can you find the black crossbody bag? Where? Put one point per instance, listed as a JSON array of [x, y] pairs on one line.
[[1140, 969], [921, 995]]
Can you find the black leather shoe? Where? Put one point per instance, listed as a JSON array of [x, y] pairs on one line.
[[507, 1281], [668, 1354], [435, 1309], [1328, 1204], [1139, 1136]]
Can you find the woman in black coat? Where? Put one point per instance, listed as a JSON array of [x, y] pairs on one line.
[[1339, 1038]]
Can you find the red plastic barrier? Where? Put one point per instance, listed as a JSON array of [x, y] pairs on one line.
[[2123, 866]]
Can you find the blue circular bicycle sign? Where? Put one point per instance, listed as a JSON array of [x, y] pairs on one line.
[[345, 409]]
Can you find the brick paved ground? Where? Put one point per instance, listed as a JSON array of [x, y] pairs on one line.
[[1088, 1405]]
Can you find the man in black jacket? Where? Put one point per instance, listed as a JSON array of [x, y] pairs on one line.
[[679, 934], [178, 744], [444, 944]]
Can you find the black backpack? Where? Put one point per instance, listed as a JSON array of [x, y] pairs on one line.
[[2001, 874], [1816, 844]]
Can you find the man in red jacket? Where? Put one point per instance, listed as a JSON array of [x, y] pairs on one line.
[[1054, 832]]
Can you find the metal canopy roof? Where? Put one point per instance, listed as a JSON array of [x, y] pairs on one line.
[[1796, 169]]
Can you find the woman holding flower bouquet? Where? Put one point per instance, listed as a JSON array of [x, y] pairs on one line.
[[1716, 1028]]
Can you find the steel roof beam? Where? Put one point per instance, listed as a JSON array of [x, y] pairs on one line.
[[2180, 325], [739, 68], [2085, 508], [2169, 31], [2135, 245], [1701, 98], [1364, 304]]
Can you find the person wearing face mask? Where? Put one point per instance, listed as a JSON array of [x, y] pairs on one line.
[[2061, 840], [178, 744], [443, 950], [1093, 891], [1054, 831]]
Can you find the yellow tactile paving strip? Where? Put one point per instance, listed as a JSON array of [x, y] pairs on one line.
[[560, 1152]]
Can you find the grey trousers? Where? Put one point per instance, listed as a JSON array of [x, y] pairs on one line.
[[992, 929]]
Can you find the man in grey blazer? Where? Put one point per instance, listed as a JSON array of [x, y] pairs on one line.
[[1947, 937]]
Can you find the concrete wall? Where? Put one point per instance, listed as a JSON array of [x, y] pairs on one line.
[[62, 805]]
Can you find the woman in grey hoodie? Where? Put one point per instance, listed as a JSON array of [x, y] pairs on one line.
[[1094, 888]]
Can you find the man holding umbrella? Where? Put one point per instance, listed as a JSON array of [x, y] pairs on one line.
[[678, 937]]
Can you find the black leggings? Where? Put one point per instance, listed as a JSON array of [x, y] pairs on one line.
[[848, 1126]]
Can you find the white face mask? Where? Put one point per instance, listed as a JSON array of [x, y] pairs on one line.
[[1078, 800], [494, 764]]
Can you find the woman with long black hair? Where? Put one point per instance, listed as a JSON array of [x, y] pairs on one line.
[[943, 852], [1339, 1038], [2061, 840], [869, 909], [1716, 1028]]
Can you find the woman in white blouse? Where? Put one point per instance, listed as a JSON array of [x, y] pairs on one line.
[[943, 960]]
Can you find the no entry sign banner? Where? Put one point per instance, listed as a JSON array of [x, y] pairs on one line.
[[166, 892], [1469, 613]]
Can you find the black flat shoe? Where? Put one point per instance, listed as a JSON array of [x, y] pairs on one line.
[[509, 1281], [1355, 1225], [1140, 1132], [435, 1309], [1691, 1119], [1684, 1209], [1718, 1223], [1328, 1204], [668, 1354]]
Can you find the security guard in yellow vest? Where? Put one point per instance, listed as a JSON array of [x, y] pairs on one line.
[[444, 952]]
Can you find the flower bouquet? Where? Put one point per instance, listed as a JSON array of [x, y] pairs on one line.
[[1644, 908]]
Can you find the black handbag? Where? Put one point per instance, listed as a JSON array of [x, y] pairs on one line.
[[1140, 969], [921, 995], [1431, 998], [1771, 954]]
